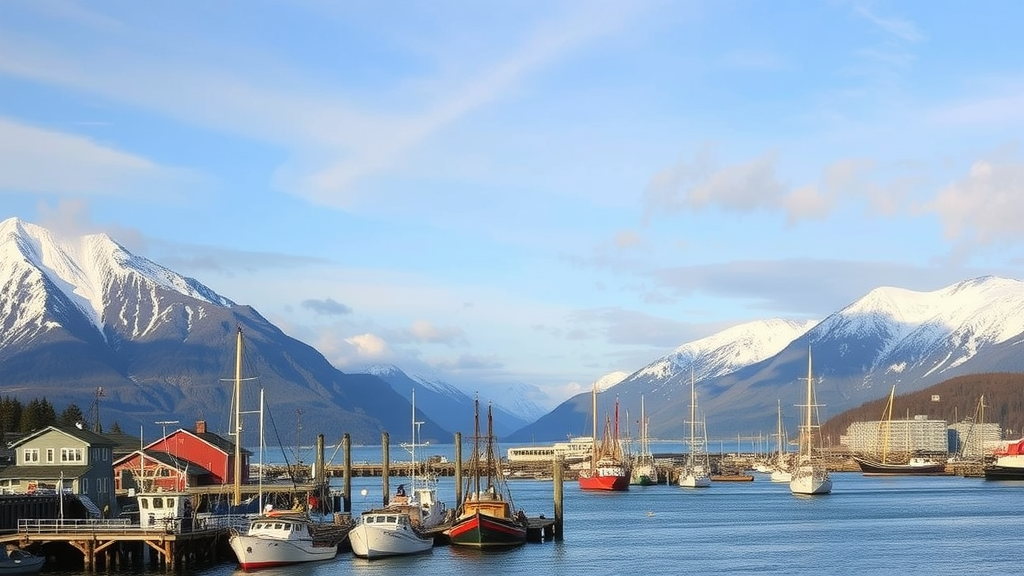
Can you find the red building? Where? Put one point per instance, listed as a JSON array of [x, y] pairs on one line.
[[182, 459]]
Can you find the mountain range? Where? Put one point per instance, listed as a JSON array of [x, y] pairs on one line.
[[83, 318], [891, 336]]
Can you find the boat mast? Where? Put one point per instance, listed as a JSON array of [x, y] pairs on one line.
[[807, 419], [490, 447], [476, 446], [618, 447], [780, 429], [693, 414], [593, 452], [887, 422], [413, 475], [238, 419]]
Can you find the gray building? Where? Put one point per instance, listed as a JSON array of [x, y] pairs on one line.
[[898, 436], [61, 459]]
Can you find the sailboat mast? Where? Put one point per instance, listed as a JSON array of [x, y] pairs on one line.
[[593, 451], [476, 446], [887, 416], [693, 412], [780, 428], [618, 447], [807, 418], [238, 421], [490, 446], [413, 475]]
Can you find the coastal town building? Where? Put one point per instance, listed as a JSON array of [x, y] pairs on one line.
[[919, 434], [63, 459]]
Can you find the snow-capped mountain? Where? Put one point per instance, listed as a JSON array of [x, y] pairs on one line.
[[80, 314], [890, 336]]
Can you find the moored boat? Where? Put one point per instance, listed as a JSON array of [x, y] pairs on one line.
[[696, 472], [1009, 463], [486, 517], [884, 464], [382, 533], [643, 471], [608, 470], [810, 476], [18, 561], [282, 540]]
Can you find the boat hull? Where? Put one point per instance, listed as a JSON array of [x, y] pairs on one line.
[[254, 552], [874, 468], [21, 562], [643, 480], [483, 531], [997, 472], [693, 481], [604, 483], [810, 484], [379, 542]]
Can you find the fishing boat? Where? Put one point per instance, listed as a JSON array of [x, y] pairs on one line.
[[643, 472], [810, 475], [18, 561], [885, 464], [608, 470], [397, 529], [486, 517], [279, 540], [1009, 463], [696, 473], [780, 467], [275, 537]]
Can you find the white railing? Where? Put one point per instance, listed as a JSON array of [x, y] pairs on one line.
[[52, 526]]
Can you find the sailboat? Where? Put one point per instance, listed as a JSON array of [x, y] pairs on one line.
[[696, 473], [811, 475], [276, 538], [607, 469], [780, 467], [885, 465], [643, 471], [486, 517], [396, 529]]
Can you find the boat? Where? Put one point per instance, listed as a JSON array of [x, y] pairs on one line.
[[18, 561], [1009, 463], [282, 539], [276, 537], [608, 471], [696, 473], [575, 449], [810, 475], [643, 472], [884, 464], [780, 467], [398, 529], [486, 517]]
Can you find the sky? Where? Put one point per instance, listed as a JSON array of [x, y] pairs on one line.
[[524, 193]]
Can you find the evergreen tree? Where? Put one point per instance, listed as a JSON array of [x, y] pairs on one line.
[[71, 416], [115, 428], [10, 416], [38, 414]]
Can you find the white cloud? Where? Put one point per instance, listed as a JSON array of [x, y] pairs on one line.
[[38, 160], [986, 206]]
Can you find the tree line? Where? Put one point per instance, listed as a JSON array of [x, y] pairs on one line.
[[18, 418]]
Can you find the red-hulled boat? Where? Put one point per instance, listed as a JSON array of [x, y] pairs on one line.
[[1009, 464], [486, 516], [608, 469]]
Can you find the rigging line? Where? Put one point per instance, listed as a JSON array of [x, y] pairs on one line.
[[284, 454]]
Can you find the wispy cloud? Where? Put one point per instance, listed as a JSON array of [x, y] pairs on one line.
[[984, 207], [39, 160], [902, 29], [326, 307]]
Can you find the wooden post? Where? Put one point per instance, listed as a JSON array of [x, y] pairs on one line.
[[458, 469], [557, 481], [385, 473], [346, 444]]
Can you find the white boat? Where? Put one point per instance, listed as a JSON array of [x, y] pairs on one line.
[[396, 529], [19, 561], [810, 475], [696, 473], [281, 540], [780, 467], [643, 471], [382, 533], [575, 449]]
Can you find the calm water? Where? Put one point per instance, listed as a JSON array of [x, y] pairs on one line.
[[909, 526]]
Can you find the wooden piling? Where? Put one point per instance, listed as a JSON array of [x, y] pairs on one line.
[[346, 445], [556, 475], [385, 441], [458, 468]]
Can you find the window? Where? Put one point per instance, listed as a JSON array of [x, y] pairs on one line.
[[70, 454], [158, 502], [49, 455], [30, 455]]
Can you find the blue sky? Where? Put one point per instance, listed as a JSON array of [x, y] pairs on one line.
[[524, 192]]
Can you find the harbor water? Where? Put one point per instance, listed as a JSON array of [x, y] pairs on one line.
[[867, 525]]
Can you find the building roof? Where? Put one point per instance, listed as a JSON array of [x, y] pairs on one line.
[[44, 472], [219, 442], [86, 436], [169, 460]]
